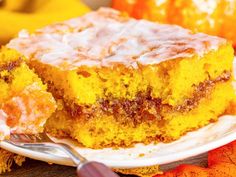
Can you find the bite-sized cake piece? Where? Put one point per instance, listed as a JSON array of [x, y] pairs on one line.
[[25, 105], [120, 81]]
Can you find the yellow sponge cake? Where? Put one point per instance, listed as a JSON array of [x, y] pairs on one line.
[[119, 81], [25, 105]]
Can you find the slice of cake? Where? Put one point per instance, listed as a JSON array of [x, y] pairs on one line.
[[25, 105], [119, 81]]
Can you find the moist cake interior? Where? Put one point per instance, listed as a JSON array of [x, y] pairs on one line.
[[146, 117]]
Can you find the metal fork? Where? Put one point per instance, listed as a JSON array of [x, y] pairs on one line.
[[85, 168]]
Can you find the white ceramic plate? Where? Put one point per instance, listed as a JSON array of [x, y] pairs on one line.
[[192, 144]]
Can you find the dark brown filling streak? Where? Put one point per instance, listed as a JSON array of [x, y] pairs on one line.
[[9, 67], [143, 107]]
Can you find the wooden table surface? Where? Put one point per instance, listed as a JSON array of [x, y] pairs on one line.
[[33, 168]]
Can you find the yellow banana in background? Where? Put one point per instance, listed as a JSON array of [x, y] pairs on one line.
[[14, 5], [16, 15]]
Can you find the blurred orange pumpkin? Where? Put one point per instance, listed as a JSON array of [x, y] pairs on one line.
[[215, 17]]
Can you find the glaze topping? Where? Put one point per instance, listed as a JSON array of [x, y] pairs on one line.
[[107, 38]]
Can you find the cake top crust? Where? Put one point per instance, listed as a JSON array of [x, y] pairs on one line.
[[106, 38]]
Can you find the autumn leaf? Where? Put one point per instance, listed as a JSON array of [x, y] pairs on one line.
[[186, 171], [221, 163]]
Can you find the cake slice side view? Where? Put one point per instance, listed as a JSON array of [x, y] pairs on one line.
[[119, 81], [25, 105]]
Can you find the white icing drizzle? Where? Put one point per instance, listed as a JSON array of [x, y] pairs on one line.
[[28, 117], [104, 38], [4, 129], [31, 117]]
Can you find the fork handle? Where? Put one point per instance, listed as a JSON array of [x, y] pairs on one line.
[[94, 169]]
